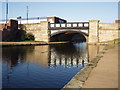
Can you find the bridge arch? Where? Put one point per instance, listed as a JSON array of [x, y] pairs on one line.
[[68, 35]]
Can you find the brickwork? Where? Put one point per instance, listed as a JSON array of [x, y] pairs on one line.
[[108, 35], [9, 30], [98, 32], [12, 24], [108, 31], [103, 32], [108, 26], [40, 31], [3, 26], [93, 31], [117, 21]]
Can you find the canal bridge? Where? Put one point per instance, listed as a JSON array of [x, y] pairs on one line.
[[65, 31], [91, 32]]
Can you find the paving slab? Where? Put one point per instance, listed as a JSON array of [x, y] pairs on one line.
[[105, 74]]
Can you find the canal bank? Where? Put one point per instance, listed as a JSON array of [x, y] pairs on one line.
[[29, 43], [32, 43], [98, 75]]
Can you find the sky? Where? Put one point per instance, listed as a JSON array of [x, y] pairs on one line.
[[106, 12]]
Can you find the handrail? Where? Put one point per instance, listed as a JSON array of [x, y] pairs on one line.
[[69, 25]]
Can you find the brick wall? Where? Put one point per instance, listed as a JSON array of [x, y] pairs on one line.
[[40, 31], [12, 24], [103, 32], [93, 31], [9, 30], [108, 31], [117, 21], [108, 35]]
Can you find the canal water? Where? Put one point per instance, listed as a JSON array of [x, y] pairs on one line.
[[45, 66]]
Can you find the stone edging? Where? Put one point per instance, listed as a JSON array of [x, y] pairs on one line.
[[29, 43], [79, 79]]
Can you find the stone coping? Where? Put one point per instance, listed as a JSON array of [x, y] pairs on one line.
[[29, 43]]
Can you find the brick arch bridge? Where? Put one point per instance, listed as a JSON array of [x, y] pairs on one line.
[[93, 31], [65, 31]]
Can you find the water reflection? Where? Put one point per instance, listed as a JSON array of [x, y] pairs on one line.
[[44, 66], [68, 55], [16, 55]]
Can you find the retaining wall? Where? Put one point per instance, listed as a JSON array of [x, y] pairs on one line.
[[40, 31], [103, 32], [108, 31]]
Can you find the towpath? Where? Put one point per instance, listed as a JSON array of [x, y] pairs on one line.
[[105, 75]]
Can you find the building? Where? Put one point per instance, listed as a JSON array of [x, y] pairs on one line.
[[11, 25], [36, 20], [9, 30], [56, 20], [117, 21]]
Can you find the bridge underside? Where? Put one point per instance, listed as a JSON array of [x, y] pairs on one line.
[[68, 37]]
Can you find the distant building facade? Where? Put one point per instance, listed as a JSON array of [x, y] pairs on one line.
[[117, 21], [56, 20], [11, 25], [9, 30], [36, 20]]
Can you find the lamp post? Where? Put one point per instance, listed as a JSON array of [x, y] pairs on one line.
[[27, 14], [6, 11]]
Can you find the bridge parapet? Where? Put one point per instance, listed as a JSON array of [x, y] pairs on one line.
[[69, 25]]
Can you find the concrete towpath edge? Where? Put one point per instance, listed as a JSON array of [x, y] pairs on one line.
[[79, 79]]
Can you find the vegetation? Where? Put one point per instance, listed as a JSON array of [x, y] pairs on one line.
[[29, 37]]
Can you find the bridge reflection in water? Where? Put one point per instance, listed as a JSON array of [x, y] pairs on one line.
[[66, 55], [31, 65]]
